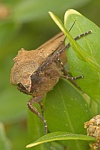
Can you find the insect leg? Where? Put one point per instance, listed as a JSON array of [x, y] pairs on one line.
[[65, 73], [68, 45], [72, 26], [73, 78], [62, 66], [35, 111], [42, 108], [58, 52]]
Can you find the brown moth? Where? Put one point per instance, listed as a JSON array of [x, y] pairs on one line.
[[37, 71]]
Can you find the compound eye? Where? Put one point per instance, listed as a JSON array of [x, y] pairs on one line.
[[21, 88]]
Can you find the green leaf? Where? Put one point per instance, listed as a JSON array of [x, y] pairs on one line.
[[91, 45], [76, 47], [58, 136], [63, 105], [66, 109], [59, 23]]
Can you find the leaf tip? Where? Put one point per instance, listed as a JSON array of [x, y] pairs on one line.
[[32, 144], [50, 13], [28, 146]]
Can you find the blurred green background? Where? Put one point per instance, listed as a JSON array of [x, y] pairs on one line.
[[27, 24]]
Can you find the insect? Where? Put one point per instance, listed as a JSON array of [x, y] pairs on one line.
[[37, 71]]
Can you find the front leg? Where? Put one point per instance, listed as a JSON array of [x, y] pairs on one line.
[[35, 111]]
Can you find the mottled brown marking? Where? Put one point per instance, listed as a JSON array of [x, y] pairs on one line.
[[27, 62]]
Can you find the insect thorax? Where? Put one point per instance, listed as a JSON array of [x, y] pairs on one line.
[[45, 80]]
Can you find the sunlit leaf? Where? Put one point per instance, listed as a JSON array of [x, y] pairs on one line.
[[76, 47], [58, 136]]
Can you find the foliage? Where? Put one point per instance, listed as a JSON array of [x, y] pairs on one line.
[[67, 108], [27, 24]]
